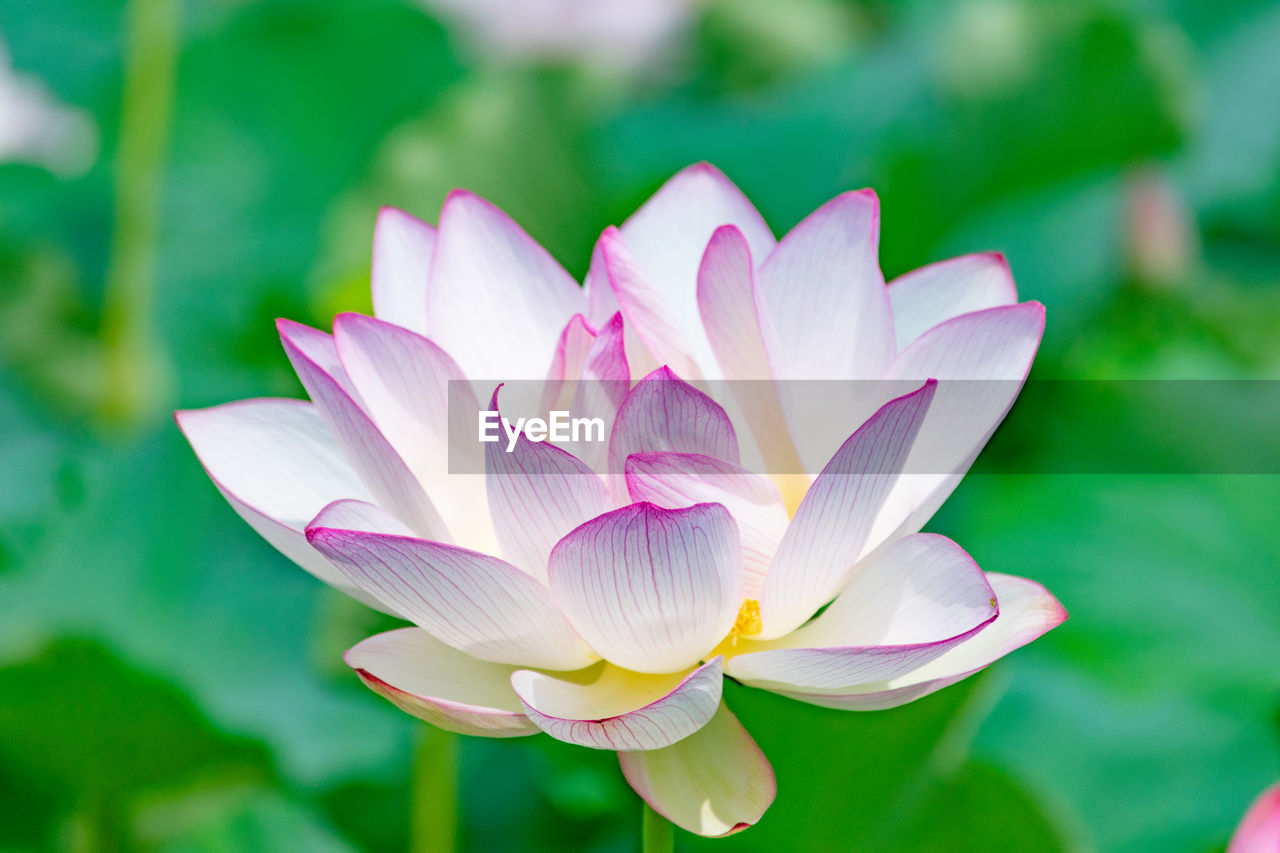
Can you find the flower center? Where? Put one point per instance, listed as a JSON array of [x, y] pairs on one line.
[[748, 622]]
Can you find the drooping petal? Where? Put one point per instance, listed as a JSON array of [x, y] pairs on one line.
[[476, 603], [658, 338], [715, 782], [981, 360], [933, 294], [415, 393], [652, 590], [402, 246], [906, 605], [370, 454], [826, 307], [729, 303], [277, 465], [537, 494], [1027, 610], [832, 524], [439, 684], [665, 413], [668, 235], [606, 707], [1259, 831], [496, 300], [678, 480]]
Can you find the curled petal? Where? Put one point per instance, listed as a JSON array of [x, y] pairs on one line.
[[652, 590], [434, 682], [606, 707], [715, 782]]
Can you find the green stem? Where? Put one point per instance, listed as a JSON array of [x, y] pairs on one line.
[[130, 366], [433, 821], [657, 834]]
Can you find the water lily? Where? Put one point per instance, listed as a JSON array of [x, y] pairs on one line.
[[602, 595], [1259, 831]]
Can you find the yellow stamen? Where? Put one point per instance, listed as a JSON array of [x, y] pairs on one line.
[[748, 621]]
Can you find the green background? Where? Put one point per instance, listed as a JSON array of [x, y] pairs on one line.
[[169, 683]]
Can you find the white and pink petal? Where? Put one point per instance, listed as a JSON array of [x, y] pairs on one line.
[[713, 783], [606, 707], [652, 590], [439, 684], [496, 300], [477, 604], [276, 463], [402, 246], [1027, 611], [830, 529]]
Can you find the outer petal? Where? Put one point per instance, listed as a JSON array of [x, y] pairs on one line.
[[831, 526], [477, 604], [715, 782], [981, 360], [669, 233], [1027, 610], [907, 605], [652, 590], [609, 708], [824, 296], [665, 413], [412, 389], [372, 456], [402, 246], [496, 299], [1259, 832], [537, 494], [277, 465], [678, 480], [437, 683], [729, 303], [933, 294]]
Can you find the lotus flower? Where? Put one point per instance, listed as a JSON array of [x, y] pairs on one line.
[[601, 595], [1259, 831]]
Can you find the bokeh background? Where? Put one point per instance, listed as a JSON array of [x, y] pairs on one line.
[[176, 175]]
